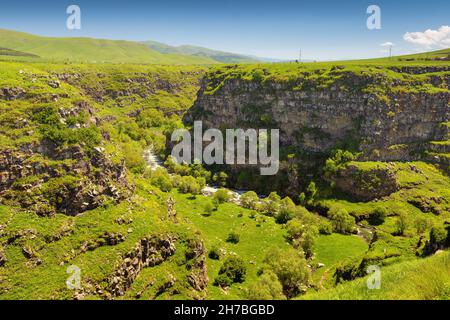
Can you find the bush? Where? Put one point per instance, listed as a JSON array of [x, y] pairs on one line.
[[267, 288], [209, 208], [325, 227], [161, 179], [222, 196], [250, 200], [233, 237], [221, 178], [284, 216], [133, 158], [214, 253], [378, 216], [233, 270], [421, 224], [302, 236], [291, 269], [271, 204], [438, 237], [189, 184], [401, 223], [341, 220], [311, 191], [222, 281]]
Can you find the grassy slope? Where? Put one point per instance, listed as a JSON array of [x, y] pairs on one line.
[[219, 56], [92, 50], [426, 279], [257, 236]]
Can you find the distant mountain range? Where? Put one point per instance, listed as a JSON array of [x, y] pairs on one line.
[[219, 56]]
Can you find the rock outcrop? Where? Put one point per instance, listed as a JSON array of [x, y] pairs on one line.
[[385, 117]]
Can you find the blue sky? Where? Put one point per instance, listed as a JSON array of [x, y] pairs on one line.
[[325, 30]]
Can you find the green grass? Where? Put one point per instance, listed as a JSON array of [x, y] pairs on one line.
[[92, 50], [257, 237], [426, 279], [332, 250]]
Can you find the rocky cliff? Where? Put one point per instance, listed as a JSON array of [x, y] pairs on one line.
[[387, 113]]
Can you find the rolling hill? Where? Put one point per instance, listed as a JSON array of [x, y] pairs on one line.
[[92, 50], [219, 56]]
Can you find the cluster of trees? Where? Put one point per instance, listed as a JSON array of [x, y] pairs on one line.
[[184, 184]]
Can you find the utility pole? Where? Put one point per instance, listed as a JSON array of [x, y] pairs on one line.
[[300, 56], [390, 51]]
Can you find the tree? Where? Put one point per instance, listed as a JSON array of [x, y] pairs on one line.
[[189, 184], [267, 288], [302, 236], [302, 198], [233, 270], [291, 270], [221, 178], [341, 220], [401, 224], [307, 241], [249, 200], [271, 205], [161, 179], [311, 191]]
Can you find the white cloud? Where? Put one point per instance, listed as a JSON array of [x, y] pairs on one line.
[[387, 44], [430, 38]]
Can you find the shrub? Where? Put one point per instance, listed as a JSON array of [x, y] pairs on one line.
[[214, 253], [325, 227], [421, 224], [294, 229], [221, 178], [233, 237], [341, 220], [233, 270], [271, 205], [438, 236], [302, 236], [161, 179], [209, 208], [249, 200], [291, 270], [284, 216], [223, 281], [401, 223], [222, 196], [267, 288], [133, 159], [311, 191], [189, 184], [378, 216]]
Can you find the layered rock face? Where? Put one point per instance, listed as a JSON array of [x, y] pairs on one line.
[[386, 114]]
